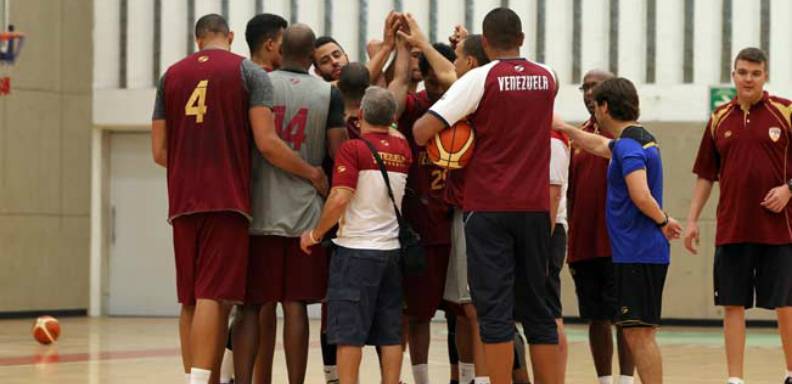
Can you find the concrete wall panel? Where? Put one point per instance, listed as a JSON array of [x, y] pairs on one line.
[[77, 54], [76, 155], [39, 66], [32, 160], [45, 263], [45, 145]]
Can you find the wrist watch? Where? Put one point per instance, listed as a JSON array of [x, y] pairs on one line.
[[789, 184], [665, 221]]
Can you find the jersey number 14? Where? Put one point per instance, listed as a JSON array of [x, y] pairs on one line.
[[196, 105], [294, 132]]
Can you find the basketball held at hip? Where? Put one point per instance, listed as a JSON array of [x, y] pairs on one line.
[[452, 147]]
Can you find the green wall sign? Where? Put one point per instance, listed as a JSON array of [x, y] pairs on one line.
[[720, 95]]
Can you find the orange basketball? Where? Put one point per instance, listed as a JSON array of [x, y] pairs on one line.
[[46, 330], [452, 148]]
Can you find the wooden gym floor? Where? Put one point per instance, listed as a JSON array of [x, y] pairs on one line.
[[145, 350]]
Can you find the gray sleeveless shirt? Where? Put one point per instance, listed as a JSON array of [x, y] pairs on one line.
[[284, 204]]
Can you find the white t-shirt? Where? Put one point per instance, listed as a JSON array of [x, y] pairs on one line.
[[559, 175], [369, 221]]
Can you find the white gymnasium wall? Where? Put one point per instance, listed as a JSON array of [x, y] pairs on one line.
[[238, 17], [670, 37], [595, 26], [707, 41], [526, 9], [558, 39], [781, 59], [667, 99]]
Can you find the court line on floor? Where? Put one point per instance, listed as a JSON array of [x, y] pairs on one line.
[[51, 356], [57, 358]]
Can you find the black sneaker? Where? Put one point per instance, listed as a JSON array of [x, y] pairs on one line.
[[788, 380]]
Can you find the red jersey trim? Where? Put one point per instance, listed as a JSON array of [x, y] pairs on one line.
[[560, 136]]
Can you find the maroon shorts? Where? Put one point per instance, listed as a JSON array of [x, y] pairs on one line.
[[280, 271], [424, 292], [211, 256]]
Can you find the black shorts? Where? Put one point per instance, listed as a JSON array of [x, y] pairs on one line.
[[744, 271], [639, 290], [507, 271], [558, 243], [364, 298], [595, 285]]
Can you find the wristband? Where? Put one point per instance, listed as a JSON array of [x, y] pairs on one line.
[[789, 184], [665, 221]]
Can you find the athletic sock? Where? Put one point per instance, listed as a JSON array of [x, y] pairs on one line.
[[605, 380], [789, 374], [624, 379], [420, 373], [199, 376], [227, 367], [735, 380], [467, 372], [187, 378], [331, 374], [482, 380]]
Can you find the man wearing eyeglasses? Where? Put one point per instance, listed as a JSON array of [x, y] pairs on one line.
[[589, 253]]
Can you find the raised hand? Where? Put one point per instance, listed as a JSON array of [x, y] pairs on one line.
[[412, 33], [392, 23], [373, 46], [460, 33]]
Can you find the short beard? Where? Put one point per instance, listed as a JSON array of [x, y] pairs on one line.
[[327, 78]]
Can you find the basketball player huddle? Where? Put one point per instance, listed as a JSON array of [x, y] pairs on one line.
[[432, 177]]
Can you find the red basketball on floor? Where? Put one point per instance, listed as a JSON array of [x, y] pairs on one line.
[[46, 330], [452, 148]]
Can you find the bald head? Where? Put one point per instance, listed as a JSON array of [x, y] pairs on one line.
[[298, 44], [598, 75], [593, 78]]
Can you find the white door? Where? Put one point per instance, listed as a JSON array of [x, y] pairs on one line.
[[142, 277]]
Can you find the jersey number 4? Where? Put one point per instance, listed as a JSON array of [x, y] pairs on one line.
[[294, 132], [196, 105]]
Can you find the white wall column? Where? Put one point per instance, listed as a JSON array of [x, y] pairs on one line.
[[670, 41], [594, 35]]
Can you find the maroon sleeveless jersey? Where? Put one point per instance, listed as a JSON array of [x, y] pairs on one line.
[[209, 137]]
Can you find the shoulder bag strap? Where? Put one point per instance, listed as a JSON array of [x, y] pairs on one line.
[[384, 173]]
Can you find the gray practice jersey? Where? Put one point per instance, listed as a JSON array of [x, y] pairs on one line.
[[284, 204]]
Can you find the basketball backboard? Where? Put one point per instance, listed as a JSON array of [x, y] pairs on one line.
[[11, 42], [11, 39]]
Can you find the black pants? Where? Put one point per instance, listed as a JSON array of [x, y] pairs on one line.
[[507, 271]]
